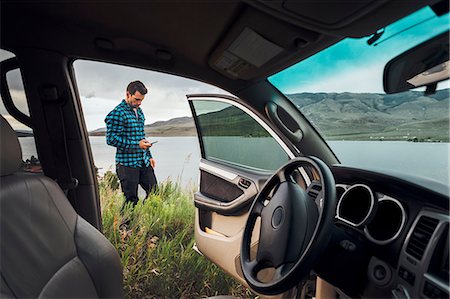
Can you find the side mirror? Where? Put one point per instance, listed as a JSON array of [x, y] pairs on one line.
[[424, 65]]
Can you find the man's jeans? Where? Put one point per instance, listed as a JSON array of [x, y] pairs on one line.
[[131, 177]]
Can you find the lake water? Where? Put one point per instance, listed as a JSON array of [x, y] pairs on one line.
[[177, 158], [414, 158]]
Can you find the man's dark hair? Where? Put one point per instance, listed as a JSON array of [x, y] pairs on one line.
[[136, 86]]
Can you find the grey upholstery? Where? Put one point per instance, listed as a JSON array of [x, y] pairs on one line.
[[47, 250]]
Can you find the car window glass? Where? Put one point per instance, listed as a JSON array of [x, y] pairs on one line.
[[340, 91], [17, 90], [24, 133], [5, 55], [230, 135]]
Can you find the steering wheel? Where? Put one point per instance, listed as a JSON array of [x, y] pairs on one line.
[[294, 227]]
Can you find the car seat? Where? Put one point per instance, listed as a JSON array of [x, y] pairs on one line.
[[46, 248]]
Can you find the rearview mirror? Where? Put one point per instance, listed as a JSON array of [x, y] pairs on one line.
[[424, 65]]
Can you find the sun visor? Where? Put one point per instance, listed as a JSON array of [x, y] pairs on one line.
[[249, 46]]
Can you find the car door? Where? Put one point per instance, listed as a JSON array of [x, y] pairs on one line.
[[238, 153]]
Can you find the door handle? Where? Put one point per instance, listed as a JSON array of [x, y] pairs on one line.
[[271, 110]]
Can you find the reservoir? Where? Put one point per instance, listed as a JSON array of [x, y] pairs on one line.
[[177, 158]]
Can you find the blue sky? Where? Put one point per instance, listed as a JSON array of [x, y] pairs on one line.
[[352, 65]]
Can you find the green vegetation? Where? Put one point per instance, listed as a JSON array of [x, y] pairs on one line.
[[156, 245], [230, 121]]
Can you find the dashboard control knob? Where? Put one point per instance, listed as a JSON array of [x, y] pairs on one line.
[[379, 272], [348, 245]]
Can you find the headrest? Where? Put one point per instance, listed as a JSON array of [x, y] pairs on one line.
[[10, 151]]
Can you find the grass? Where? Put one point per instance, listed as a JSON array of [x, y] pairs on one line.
[[156, 245]]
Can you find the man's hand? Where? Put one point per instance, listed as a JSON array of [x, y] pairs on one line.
[[144, 144], [152, 163]]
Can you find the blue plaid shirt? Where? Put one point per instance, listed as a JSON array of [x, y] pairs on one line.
[[124, 130]]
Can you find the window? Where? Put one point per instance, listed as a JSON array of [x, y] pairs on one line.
[[340, 90], [19, 100], [230, 135], [168, 118], [17, 90]]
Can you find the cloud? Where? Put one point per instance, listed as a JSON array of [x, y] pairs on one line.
[[90, 95], [102, 87], [110, 81]]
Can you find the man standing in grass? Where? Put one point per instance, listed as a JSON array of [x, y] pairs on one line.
[[125, 131]]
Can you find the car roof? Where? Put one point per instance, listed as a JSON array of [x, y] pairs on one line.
[[195, 38]]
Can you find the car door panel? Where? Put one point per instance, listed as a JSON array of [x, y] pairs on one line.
[[236, 148], [222, 209], [222, 243], [224, 190]]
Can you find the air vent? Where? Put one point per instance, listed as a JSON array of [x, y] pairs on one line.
[[314, 189], [421, 236]]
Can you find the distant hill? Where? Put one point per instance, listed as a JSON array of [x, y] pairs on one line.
[[365, 116], [180, 126], [338, 116]]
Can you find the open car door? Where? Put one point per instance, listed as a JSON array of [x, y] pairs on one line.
[[239, 152]]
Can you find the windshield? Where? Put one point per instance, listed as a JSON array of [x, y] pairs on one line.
[[340, 91]]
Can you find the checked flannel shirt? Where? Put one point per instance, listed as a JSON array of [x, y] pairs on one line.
[[124, 130]]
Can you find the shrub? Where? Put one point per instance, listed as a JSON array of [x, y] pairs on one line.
[[155, 240], [109, 181]]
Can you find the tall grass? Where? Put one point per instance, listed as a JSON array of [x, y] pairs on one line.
[[156, 245]]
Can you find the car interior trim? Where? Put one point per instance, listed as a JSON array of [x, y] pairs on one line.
[[237, 205], [218, 171], [369, 212], [402, 224], [6, 66], [217, 205], [438, 282], [421, 268], [305, 176], [341, 187]]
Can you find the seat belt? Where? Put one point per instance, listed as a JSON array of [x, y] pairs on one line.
[[52, 104]]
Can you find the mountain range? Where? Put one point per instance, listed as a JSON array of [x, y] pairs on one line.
[[180, 126], [349, 116], [409, 115]]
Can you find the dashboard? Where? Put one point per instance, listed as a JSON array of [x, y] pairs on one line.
[[390, 237]]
